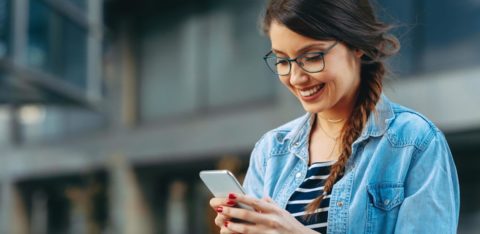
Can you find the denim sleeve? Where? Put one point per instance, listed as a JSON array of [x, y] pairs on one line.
[[253, 182], [432, 199]]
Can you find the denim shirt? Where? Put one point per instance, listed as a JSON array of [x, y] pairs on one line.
[[400, 177]]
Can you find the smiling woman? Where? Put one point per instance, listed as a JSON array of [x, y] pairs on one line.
[[356, 162]]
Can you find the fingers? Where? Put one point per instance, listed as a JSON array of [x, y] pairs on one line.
[[268, 199], [226, 212], [247, 216], [235, 228], [225, 230], [218, 205], [216, 202], [265, 205], [244, 228], [220, 220], [224, 227]]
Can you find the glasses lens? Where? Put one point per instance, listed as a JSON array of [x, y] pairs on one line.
[[312, 62], [278, 65]]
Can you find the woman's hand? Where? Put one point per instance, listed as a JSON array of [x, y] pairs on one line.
[[268, 218], [218, 205]]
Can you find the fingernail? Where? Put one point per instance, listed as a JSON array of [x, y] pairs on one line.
[[225, 223], [231, 203], [232, 196], [219, 209]]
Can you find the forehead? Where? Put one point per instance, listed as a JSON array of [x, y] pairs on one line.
[[287, 41]]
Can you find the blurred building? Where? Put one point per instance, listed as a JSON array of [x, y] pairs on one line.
[[111, 108]]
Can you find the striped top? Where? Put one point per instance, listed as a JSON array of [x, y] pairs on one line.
[[311, 188]]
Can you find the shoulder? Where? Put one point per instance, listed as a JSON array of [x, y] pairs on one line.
[[409, 127], [282, 135]]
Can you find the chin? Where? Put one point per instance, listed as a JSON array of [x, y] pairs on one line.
[[312, 108]]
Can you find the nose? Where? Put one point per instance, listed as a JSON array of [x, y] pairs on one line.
[[297, 75]]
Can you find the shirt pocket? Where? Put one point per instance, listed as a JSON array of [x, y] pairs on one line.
[[384, 200]]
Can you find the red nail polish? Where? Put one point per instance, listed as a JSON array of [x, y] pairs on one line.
[[219, 209], [225, 223], [232, 196], [231, 203]]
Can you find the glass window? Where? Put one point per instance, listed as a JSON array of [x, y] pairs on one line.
[[44, 123], [169, 69], [436, 35], [56, 45], [401, 15], [451, 33], [4, 26], [82, 4], [203, 57], [5, 127], [236, 72]]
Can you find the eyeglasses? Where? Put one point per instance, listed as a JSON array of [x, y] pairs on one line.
[[311, 62]]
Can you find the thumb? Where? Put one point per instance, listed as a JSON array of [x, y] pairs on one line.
[[268, 199]]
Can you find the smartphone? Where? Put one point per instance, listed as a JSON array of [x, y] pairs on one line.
[[221, 183]]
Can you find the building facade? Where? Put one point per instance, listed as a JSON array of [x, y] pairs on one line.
[[111, 108]]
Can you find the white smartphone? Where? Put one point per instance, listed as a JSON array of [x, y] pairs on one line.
[[221, 183]]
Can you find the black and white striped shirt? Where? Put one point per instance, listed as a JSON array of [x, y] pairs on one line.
[[311, 188]]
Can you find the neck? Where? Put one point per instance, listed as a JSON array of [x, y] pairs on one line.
[[332, 121], [331, 129]]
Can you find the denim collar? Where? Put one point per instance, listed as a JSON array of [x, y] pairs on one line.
[[377, 124], [379, 121]]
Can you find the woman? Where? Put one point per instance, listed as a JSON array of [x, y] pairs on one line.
[[356, 162]]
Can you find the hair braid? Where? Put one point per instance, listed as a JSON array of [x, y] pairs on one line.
[[369, 94]]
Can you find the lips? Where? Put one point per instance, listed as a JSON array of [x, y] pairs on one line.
[[312, 90]]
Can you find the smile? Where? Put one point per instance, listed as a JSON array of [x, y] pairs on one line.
[[311, 91]]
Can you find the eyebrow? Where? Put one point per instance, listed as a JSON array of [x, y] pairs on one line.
[[303, 49]]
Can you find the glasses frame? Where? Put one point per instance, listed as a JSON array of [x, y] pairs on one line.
[[270, 55]]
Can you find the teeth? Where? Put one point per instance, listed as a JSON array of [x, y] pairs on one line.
[[310, 92]]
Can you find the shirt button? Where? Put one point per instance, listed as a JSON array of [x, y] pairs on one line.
[[298, 175], [386, 202], [296, 144], [339, 204]]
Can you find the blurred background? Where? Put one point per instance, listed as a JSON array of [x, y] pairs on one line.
[[109, 109]]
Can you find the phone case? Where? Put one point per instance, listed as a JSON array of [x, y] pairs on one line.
[[221, 183]]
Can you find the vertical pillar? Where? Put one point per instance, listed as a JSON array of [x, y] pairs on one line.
[[128, 77], [15, 126], [129, 209], [94, 50], [39, 213], [177, 208], [120, 76], [19, 9], [17, 220], [82, 220]]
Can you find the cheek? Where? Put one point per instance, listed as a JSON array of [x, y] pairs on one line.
[[330, 77], [337, 84], [286, 82], [343, 76], [344, 85]]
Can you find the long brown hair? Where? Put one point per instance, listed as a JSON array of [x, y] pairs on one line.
[[354, 23]]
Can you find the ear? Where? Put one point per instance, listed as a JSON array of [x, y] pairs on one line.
[[358, 53]]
